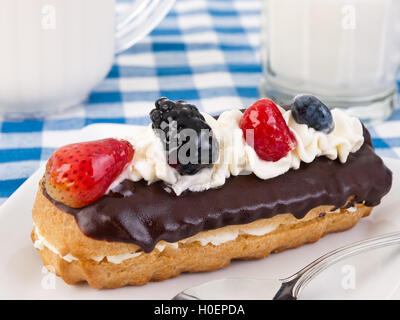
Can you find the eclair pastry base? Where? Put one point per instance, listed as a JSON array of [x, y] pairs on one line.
[[60, 229]]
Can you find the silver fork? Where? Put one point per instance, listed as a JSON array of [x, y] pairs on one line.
[[282, 289]]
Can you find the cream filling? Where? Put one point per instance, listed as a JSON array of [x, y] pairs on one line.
[[42, 243], [214, 237]]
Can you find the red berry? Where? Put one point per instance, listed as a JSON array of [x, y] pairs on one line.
[[266, 131], [80, 173]]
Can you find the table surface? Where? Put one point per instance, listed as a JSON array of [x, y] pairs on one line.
[[206, 52]]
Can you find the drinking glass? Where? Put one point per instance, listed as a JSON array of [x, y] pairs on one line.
[[346, 52]]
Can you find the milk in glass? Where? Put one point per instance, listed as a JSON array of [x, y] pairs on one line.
[[344, 51]]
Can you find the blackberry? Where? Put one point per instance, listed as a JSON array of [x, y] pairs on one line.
[[309, 110], [188, 140]]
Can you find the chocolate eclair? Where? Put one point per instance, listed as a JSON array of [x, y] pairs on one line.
[[191, 192]]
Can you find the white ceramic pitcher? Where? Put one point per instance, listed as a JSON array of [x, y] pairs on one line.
[[54, 52]]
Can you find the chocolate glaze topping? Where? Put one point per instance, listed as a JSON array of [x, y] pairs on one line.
[[142, 214]]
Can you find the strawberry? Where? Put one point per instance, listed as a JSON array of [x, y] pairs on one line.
[[266, 131], [80, 173]]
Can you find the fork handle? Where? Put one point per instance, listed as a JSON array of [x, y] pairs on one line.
[[293, 285]]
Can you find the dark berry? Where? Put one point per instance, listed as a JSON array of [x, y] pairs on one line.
[[266, 131], [309, 110], [188, 140]]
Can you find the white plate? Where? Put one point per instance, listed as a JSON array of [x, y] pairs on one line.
[[373, 275]]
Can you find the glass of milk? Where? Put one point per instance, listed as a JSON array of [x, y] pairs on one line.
[[346, 52]]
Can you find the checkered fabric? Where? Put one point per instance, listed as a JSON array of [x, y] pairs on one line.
[[206, 52]]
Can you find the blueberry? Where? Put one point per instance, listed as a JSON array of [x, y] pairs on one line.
[[309, 110], [188, 151]]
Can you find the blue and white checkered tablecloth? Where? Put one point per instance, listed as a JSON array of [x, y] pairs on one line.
[[206, 52]]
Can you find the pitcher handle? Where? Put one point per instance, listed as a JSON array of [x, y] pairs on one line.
[[141, 18]]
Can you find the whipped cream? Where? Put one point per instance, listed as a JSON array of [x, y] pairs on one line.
[[237, 157]]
